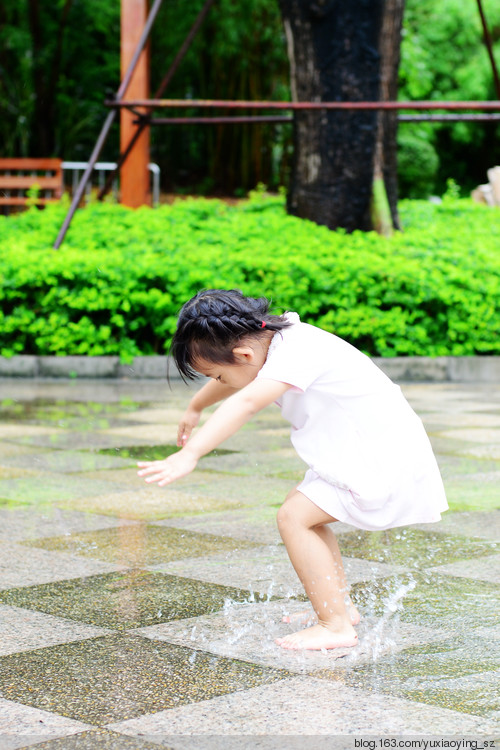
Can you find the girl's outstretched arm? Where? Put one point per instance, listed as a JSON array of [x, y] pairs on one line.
[[211, 393], [223, 423]]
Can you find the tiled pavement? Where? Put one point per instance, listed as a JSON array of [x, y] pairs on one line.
[[136, 617]]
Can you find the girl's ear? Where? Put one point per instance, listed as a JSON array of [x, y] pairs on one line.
[[244, 351]]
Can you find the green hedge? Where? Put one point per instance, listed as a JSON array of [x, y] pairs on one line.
[[119, 279]]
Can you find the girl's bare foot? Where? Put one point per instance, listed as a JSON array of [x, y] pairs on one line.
[[319, 637], [308, 616]]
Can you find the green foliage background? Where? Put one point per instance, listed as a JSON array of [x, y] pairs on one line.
[[56, 72], [118, 282]]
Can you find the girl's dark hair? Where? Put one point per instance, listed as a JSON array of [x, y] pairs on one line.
[[212, 323]]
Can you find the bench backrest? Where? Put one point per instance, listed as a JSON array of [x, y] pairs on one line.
[[17, 176]]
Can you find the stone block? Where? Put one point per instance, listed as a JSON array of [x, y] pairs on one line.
[[19, 366], [416, 369], [144, 367], [78, 366], [474, 369]]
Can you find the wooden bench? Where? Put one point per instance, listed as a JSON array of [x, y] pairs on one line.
[[17, 176]]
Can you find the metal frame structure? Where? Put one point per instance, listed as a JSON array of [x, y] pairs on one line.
[[485, 110]]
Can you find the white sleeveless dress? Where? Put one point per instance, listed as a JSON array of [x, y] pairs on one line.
[[370, 460]]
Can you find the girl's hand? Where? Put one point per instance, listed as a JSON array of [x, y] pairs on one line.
[[172, 468], [188, 422]]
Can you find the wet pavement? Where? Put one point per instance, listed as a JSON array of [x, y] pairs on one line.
[[133, 616]]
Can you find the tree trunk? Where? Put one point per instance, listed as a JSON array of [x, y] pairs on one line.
[[384, 210], [336, 49], [46, 74]]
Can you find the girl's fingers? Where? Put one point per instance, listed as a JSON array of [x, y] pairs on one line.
[[167, 471], [147, 468], [182, 435], [160, 478]]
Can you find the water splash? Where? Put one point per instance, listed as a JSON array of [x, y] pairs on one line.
[[380, 637]]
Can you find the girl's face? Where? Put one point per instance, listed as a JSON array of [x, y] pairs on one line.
[[250, 359]]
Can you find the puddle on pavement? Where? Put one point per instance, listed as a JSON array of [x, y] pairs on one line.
[[432, 600], [132, 599], [412, 547], [139, 544], [458, 674], [154, 452], [52, 410]]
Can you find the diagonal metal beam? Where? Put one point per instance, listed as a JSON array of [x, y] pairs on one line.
[[107, 124], [489, 47], [144, 119]]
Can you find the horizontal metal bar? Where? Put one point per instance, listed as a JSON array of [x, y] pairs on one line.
[[486, 117], [467, 117], [110, 166], [218, 120], [232, 104]]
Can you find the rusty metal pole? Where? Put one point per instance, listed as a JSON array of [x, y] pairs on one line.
[[431, 104], [134, 183], [107, 126], [489, 47], [144, 121]]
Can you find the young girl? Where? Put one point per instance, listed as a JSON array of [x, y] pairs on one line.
[[370, 461]]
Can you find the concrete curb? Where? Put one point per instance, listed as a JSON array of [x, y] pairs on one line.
[[400, 369]]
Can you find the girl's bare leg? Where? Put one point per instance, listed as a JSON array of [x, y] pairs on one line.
[[319, 567], [308, 617]]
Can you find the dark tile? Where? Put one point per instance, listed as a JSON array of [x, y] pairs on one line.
[[139, 544], [64, 461], [412, 547], [126, 600], [6, 502], [53, 488], [155, 452], [114, 678], [61, 412], [451, 603], [457, 674], [473, 493], [66, 439]]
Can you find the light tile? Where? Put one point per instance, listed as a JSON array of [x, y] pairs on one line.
[[248, 631], [22, 567], [25, 630], [304, 706], [22, 523], [22, 725], [474, 435], [483, 524], [256, 524], [265, 570], [484, 569]]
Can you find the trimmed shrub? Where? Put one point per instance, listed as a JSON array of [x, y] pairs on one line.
[[118, 281]]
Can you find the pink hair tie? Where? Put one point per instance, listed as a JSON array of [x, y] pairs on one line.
[[263, 324]]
